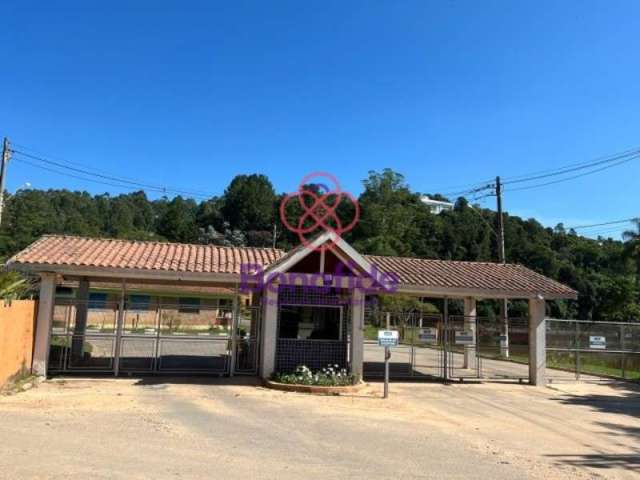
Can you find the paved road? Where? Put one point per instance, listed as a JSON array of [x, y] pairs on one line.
[[129, 428]]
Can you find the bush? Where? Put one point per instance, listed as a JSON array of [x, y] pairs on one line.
[[330, 376]]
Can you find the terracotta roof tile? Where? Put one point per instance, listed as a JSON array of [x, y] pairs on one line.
[[61, 250], [469, 275], [129, 254]]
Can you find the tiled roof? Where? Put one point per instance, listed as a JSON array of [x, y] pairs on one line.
[[73, 251], [70, 251], [469, 275]]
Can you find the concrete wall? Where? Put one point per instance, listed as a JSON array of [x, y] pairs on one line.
[[17, 323]]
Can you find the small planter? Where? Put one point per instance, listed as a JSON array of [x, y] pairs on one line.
[[315, 389]]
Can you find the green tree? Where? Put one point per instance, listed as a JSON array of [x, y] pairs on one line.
[[248, 203], [178, 223]]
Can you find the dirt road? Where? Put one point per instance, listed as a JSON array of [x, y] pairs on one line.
[[130, 428]]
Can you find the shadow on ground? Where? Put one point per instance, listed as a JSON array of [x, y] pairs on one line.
[[624, 401]]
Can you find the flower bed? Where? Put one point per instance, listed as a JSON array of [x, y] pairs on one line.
[[330, 376], [331, 380]]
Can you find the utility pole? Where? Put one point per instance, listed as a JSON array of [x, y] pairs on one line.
[[504, 305], [3, 172]]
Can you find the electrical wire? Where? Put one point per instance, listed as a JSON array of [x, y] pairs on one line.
[[613, 222], [125, 180], [573, 177]]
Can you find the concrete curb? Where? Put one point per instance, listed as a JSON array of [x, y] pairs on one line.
[[315, 389]]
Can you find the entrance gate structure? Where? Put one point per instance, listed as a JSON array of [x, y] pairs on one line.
[[122, 337]]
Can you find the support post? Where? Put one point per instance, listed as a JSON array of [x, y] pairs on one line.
[[46, 304], [235, 318], [119, 327], [357, 333], [80, 327], [445, 341], [537, 342], [269, 331], [470, 326]]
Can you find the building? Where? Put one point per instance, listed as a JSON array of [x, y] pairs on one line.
[[436, 206], [306, 306]]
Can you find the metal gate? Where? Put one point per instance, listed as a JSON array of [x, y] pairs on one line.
[[119, 337], [446, 347]]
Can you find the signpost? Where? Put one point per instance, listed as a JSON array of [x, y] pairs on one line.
[[597, 342], [428, 335], [464, 337], [386, 339]]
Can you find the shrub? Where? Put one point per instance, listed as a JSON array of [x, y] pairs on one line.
[[331, 375]]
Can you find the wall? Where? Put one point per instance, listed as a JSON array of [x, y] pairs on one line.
[[17, 323]]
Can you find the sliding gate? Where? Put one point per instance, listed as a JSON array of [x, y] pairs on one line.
[[164, 338], [455, 347]]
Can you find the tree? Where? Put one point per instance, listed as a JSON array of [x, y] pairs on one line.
[[388, 212], [178, 224], [248, 203]]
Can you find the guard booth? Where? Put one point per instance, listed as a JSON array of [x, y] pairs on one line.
[[281, 309]]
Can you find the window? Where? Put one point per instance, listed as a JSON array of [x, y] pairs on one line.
[[139, 302], [189, 305], [64, 292], [310, 322], [98, 301]]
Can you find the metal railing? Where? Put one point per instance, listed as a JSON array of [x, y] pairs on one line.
[[151, 338], [593, 350]]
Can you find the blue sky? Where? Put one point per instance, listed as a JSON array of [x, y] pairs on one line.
[[446, 92]]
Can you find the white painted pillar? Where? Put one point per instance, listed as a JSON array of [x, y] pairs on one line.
[[357, 333], [537, 342], [269, 331], [470, 326], [46, 303]]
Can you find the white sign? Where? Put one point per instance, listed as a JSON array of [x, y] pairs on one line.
[[598, 342], [464, 338], [428, 335], [388, 338]]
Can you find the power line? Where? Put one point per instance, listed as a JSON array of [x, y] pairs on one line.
[[613, 222], [609, 161], [572, 166], [113, 178], [573, 177], [66, 174], [628, 155]]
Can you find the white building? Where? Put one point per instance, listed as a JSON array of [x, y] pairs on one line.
[[436, 206]]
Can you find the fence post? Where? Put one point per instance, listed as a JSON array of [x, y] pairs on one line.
[[577, 343], [445, 340], [119, 327], [235, 319], [624, 353]]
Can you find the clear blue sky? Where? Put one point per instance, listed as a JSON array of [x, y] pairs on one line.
[[445, 92]]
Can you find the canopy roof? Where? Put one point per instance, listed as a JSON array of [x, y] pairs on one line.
[[71, 255]]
